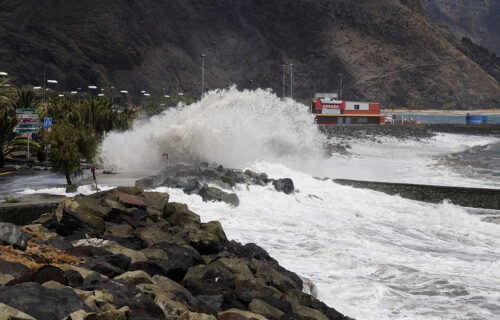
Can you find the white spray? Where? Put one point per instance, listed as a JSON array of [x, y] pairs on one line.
[[230, 127]]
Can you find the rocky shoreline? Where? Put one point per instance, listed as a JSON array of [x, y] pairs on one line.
[[130, 254]]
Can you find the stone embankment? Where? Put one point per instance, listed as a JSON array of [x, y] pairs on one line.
[[476, 129], [126, 253], [196, 178], [365, 132], [466, 197]]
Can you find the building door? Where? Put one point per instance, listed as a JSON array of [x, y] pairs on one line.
[[339, 121], [348, 121]]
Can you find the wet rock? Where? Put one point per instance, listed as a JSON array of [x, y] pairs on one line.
[[152, 235], [8, 313], [266, 272], [10, 234], [40, 302], [213, 279], [178, 214], [238, 268], [212, 302], [42, 275], [261, 307], [75, 279], [309, 312], [130, 200], [12, 268], [140, 304], [246, 291], [249, 250], [134, 277], [180, 259], [284, 185], [134, 255], [110, 266], [215, 194], [123, 231], [235, 314], [59, 243], [196, 316], [87, 251]]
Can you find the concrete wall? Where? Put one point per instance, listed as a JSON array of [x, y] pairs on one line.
[[466, 197]]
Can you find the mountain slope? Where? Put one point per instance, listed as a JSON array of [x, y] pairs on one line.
[[478, 20], [387, 50]]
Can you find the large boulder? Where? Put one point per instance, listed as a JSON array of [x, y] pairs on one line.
[[212, 279], [12, 268], [42, 303], [180, 259], [134, 277], [236, 314], [140, 304], [10, 234], [215, 194], [261, 307], [42, 275], [8, 313], [284, 185], [178, 214]]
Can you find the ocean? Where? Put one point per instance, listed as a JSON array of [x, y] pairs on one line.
[[365, 253]]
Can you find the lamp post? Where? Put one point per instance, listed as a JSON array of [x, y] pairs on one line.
[[291, 80], [340, 86], [284, 70], [52, 82], [202, 73], [123, 92]]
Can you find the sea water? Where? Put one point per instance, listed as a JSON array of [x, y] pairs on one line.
[[368, 254]]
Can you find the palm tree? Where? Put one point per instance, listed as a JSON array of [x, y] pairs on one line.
[[8, 117]]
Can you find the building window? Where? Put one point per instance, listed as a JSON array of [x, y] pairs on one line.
[[363, 120], [356, 107]]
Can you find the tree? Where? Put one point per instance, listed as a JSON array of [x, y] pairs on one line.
[[64, 154], [8, 117]]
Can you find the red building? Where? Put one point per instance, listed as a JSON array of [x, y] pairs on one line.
[[333, 112]]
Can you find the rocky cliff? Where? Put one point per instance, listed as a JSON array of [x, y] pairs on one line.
[[387, 51], [478, 20]]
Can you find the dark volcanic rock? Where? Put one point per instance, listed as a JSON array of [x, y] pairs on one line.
[[12, 268], [284, 185], [40, 302], [42, 275], [10, 234], [215, 194], [141, 304]]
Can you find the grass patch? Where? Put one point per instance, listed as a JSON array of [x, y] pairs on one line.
[[11, 200]]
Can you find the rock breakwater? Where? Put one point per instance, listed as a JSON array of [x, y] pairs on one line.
[[126, 253]]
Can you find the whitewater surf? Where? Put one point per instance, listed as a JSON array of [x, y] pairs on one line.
[[367, 254]]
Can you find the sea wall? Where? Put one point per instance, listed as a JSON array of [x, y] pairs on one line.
[[479, 129], [404, 131], [466, 197]]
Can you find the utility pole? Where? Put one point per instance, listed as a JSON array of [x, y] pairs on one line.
[[284, 70], [202, 73], [291, 80], [340, 86]]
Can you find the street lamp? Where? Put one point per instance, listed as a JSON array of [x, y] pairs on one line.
[[340, 86], [284, 70], [123, 92], [92, 88], [291, 80], [3, 74], [202, 73]]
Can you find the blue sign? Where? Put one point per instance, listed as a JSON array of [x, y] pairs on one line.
[[47, 122]]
